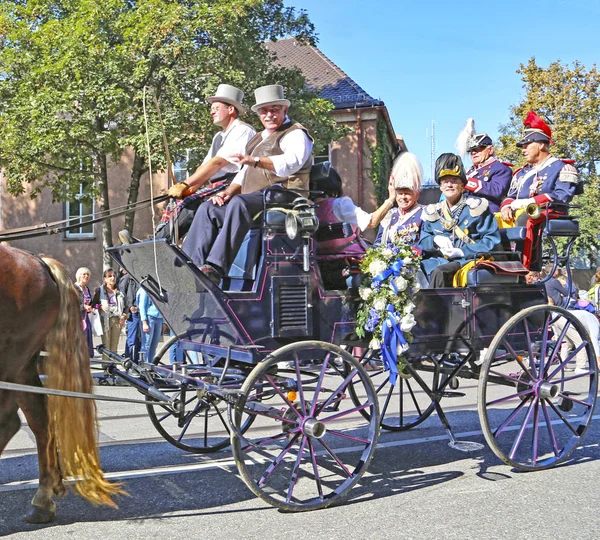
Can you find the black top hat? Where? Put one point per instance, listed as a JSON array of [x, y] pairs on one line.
[[478, 141], [449, 165]]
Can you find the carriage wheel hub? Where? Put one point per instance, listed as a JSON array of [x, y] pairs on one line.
[[547, 390], [313, 428]]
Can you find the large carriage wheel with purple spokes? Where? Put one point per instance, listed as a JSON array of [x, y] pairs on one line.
[[309, 444], [537, 388]]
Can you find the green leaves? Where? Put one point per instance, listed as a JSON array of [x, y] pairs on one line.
[[73, 74]]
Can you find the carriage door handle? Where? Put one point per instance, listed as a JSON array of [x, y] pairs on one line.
[[463, 303]]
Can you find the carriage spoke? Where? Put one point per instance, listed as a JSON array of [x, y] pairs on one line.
[[277, 460], [535, 436], [346, 413], [508, 398], [346, 436], [563, 418], [511, 377], [337, 460], [313, 459], [551, 433], [223, 421], [284, 397], [337, 392], [274, 438], [387, 400], [412, 395], [295, 470], [299, 382], [510, 418], [519, 437], [319, 385]]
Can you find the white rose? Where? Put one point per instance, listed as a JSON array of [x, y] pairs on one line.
[[365, 292], [400, 283], [387, 252], [379, 304], [377, 267], [401, 349], [407, 322], [407, 260], [416, 287], [409, 308], [375, 344]]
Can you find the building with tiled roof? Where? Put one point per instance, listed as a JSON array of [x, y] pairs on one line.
[[353, 106]]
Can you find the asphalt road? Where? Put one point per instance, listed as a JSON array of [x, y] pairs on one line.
[[416, 487]]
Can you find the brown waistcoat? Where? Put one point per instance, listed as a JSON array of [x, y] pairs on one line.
[[257, 178]]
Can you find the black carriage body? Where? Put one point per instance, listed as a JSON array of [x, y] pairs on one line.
[[283, 304], [460, 319]]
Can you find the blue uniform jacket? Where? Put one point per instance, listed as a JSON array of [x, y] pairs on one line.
[[475, 219], [553, 180], [395, 224], [490, 181]]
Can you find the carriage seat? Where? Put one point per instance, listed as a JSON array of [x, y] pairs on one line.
[[484, 276]]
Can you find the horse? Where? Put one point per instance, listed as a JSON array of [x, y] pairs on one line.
[[41, 311]]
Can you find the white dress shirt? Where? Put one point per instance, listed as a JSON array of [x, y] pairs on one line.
[[344, 209], [226, 143]]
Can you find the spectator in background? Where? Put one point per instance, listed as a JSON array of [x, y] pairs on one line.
[[111, 303], [584, 302], [556, 290], [82, 278], [532, 277], [129, 288], [152, 323]]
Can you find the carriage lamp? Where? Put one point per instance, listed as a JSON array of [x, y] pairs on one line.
[[301, 220]]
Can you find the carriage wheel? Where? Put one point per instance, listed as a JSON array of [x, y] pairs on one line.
[[533, 411], [310, 445], [403, 405], [198, 423]]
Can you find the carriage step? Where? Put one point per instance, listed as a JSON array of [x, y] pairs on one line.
[[465, 446]]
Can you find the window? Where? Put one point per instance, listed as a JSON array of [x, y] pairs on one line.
[[79, 208], [184, 163]]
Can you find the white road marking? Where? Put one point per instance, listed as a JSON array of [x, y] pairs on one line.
[[228, 463]]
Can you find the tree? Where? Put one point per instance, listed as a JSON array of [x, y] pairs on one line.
[[73, 74], [568, 98]]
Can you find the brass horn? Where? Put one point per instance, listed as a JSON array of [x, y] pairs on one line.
[[533, 210]]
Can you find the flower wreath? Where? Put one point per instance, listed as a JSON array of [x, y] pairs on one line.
[[387, 289]]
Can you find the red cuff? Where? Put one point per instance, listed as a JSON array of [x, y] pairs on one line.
[[506, 202], [416, 250], [542, 199]]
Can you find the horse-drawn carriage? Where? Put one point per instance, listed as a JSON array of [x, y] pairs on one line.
[[265, 360]]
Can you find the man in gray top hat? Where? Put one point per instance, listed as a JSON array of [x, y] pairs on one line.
[[225, 109], [280, 154]]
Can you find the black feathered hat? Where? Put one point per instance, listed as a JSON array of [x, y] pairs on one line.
[[449, 165]]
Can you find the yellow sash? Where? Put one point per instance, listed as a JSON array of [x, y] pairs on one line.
[[460, 278]]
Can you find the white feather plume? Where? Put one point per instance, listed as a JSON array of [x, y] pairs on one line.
[[462, 141], [407, 172]]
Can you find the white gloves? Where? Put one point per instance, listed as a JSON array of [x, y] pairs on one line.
[[446, 247], [521, 203], [443, 242], [453, 253]]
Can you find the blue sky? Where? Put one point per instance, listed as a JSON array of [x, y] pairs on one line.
[[448, 61]]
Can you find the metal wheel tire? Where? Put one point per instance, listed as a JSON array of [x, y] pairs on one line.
[[201, 425], [401, 406], [310, 444], [532, 411]]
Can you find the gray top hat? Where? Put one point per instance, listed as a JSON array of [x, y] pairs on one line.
[[230, 95], [271, 94]]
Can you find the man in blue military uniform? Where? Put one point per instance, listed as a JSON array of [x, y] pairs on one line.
[[456, 229], [488, 178], [545, 179]]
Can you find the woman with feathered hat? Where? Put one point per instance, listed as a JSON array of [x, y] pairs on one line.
[[456, 229], [405, 219]]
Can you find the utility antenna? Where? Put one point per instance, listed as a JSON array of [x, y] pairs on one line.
[[432, 141]]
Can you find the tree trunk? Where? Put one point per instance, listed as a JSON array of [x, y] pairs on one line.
[[134, 188], [104, 207]]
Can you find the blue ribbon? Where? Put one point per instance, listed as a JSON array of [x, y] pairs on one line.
[[391, 336], [394, 271]]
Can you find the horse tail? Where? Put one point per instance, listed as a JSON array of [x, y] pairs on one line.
[[72, 420]]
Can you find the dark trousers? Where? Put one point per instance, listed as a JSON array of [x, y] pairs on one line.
[[133, 342], [185, 217], [441, 276], [217, 232]]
